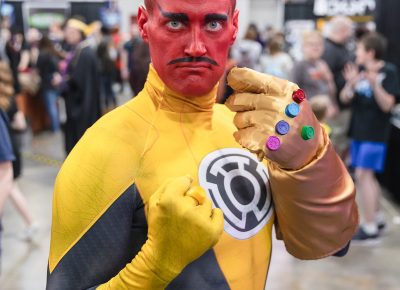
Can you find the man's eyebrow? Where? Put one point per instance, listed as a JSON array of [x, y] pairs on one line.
[[174, 16], [215, 17]]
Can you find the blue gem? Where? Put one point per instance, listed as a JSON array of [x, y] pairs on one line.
[[282, 127], [292, 110]]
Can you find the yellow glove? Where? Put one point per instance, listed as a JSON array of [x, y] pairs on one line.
[[182, 226], [289, 136]]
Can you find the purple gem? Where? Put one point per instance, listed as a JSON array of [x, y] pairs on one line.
[[273, 143]]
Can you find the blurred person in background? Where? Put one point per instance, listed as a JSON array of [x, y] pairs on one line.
[[6, 170], [247, 51], [16, 125], [14, 122], [56, 34], [359, 31], [320, 105], [108, 73], [30, 50], [135, 60], [267, 34], [253, 30], [371, 89], [127, 49], [30, 99], [276, 61], [6, 152], [94, 34], [126, 52], [117, 44], [141, 62], [337, 55], [391, 175], [47, 65], [312, 73], [80, 87], [13, 49], [5, 36]]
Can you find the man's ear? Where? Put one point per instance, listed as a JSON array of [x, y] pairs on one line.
[[142, 20], [235, 22]]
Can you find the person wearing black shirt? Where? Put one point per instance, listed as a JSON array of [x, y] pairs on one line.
[[47, 65], [372, 92], [80, 89], [336, 55]]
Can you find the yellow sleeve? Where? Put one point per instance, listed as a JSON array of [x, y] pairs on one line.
[[136, 275], [95, 202], [315, 205]]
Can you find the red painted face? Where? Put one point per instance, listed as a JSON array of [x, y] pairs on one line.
[[189, 41]]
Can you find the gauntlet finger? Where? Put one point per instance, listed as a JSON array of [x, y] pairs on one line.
[[252, 138], [240, 102], [252, 118], [247, 80]]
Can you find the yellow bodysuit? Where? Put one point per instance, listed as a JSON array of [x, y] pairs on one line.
[[103, 189]]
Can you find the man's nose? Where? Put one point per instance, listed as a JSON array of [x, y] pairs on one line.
[[196, 46]]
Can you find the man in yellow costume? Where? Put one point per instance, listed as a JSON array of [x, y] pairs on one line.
[[171, 191]]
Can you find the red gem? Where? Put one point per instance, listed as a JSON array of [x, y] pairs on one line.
[[299, 96]]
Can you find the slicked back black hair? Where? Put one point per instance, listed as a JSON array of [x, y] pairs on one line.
[[149, 4]]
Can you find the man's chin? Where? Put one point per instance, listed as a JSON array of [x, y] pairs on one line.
[[194, 90], [193, 85]]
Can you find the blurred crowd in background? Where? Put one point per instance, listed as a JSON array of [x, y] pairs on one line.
[[67, 77]]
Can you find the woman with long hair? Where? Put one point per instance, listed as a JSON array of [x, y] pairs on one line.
[[47, 65]]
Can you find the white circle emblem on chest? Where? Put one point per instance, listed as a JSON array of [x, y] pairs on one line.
[[238, 184]]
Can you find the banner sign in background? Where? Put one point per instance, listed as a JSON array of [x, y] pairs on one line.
[[344, 7], [41, 15]]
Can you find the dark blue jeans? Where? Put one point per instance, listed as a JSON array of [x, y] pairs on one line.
[[50, 99]]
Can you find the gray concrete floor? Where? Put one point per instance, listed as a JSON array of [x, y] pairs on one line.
[[24, 264]]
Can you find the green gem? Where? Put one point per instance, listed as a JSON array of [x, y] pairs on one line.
[[307, 132]]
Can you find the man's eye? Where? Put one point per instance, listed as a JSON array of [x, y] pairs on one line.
[[214, 26], [174, 24]]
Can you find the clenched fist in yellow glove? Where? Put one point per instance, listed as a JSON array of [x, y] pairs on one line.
[[181, 227], [273, 118]]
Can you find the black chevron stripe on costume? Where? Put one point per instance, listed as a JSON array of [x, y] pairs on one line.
[[106, 247]]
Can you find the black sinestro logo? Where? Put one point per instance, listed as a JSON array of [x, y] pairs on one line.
[[238, 184]]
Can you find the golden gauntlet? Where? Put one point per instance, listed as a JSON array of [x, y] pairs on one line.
[[273, 118]]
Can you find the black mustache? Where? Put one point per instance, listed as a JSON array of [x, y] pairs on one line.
[[194, 59]]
